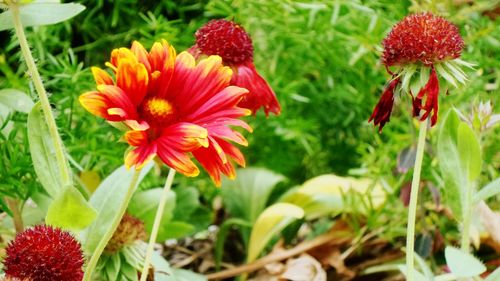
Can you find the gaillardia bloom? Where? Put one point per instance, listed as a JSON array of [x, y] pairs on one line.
[[230, 41], [44, 253], [172, 107], [421, 46]]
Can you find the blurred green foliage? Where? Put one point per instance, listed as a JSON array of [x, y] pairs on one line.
[[321, 57]]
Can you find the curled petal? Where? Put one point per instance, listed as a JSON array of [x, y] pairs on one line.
[[101, 77], [179, 161], [260, 94], [382, 112], [140, 155], [97, 104], [118, 99], [132, 78], [431, 92], [136, 138], [119, 55], [141, 54]]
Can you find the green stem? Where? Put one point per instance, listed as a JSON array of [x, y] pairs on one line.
[[412, 208], [44, 100], [156, 224], [467, 214], [107, 236]]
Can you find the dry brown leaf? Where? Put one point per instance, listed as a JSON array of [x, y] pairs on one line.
[[304, 268]]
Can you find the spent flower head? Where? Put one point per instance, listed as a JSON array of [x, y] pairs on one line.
[[173, 107], [420, 47], [129, 230], [230, 41], [44, 253]]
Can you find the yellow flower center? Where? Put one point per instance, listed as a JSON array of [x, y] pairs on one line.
[[157, 110]]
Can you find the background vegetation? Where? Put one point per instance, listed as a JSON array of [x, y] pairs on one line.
[[321, 57]]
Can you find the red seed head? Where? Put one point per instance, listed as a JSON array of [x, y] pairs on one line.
[[44, 253], [424, 38], [226, 39]]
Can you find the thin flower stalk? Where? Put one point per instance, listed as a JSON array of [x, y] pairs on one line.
[[64, 171], [156, 224]]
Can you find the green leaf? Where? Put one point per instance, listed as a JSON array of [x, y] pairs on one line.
[[43, 152], [174, 230], [324, 195], [107, 200], [186, 202], [491, 189], [35, 14], [186, 275], [274, 219], [463, 264], [449, 162], [144, 205], [70, 211], [246, 197], [469, 150], [16, 100], [163, 271], [112, 267]]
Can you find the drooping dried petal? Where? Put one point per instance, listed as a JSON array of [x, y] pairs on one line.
[[382, 112]]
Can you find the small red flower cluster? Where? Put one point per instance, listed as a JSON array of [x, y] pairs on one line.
[[232, 43], [225, 39], [44, 253], [421, 40]]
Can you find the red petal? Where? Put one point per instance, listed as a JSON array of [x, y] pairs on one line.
[[382, 112], [260, 93]]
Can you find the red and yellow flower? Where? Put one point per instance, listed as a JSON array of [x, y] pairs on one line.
[[230, 41], [420, 46], [173, 107]]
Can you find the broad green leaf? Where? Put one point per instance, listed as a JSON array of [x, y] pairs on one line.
[[491, 189], [163, 271], [463, 264], [70, 211], [174, 230], [35, 14], [449, 162], [107, 200], [16, 100], [246, 196], [222, 234], [186, 202], [186, 275], [470, 151], [323, 195], [274, 219], [43, 152], [144, 205]]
